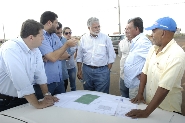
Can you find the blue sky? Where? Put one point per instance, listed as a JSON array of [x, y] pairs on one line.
[[75, 13]]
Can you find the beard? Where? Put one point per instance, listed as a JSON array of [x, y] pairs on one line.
[[94, 33], [52, 30]]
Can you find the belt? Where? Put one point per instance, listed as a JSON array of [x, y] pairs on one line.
[[94, 67], [6, 97]]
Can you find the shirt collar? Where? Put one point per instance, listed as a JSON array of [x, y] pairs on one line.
[[128, 40], [45, 32], [24, 47], [22, 44], [50, 34], [95, 36], [166, 47], [136, 38]]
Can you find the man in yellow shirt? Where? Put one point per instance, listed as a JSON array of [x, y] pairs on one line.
[[162, 72]]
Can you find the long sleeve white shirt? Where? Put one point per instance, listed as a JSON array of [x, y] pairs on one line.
[[96, 51], [20, 68], [124, 48]]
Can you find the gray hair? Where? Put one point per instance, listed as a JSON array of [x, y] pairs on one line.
[[92, 20]]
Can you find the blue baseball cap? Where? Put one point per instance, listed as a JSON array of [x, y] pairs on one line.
[[165, 23]]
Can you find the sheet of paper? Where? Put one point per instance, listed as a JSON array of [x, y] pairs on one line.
[[124, 106], [95, 102], [103, 107], [65, 99]]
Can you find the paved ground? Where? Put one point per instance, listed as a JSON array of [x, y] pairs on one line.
[[114, 85]]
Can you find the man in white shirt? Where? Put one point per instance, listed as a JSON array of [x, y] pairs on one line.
[[21, 66], [137, 56], [124, 48], [97, 55]]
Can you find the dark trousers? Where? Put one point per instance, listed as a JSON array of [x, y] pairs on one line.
[[65, 84], [54, 88], [96, 78], [10, 103]]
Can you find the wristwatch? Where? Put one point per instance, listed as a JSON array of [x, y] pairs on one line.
[[48, 93]]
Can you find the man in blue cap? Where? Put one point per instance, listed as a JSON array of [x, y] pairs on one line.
[[162, 72]]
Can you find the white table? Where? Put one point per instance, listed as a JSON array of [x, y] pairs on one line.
[[54, 114]]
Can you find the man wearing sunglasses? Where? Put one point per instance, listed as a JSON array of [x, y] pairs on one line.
[[95, 57]]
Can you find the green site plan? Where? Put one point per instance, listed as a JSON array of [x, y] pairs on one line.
[[87, 99]]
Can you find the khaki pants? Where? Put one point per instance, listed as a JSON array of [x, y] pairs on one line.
[[134, 91]]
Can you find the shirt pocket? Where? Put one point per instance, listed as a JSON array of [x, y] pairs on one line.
[[100, 49], [159, 67], [33, 67]]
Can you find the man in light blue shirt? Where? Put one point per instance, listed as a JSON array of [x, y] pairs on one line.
[[53, 51], [137, 56], [97, 55]]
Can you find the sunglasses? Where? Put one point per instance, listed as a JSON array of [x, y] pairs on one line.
[[66, 33]]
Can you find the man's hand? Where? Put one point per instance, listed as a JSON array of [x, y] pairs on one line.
[[137, 113], [65, 56], [44, 59], [48, 101], [50, 97], [79, 75], [110, 66], [138, 99], [45, 103], [139, 76], [72, 42]]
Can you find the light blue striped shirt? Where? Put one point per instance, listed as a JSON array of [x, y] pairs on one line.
[[96, 51], [135, 61], [51, 43]]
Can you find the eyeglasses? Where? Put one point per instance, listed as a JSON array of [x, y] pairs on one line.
[[66, 33]]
